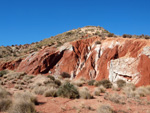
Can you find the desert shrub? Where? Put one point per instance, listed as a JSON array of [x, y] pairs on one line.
[[39, 90], [99, 90], [79, 82], [20, 87], [51, 77], [105, 83], [5, 100], [129, 90], [5, 104], [26, 96], [91, 82], [148, 87], [110, 34], [121, 83], [3, 93], [49, 82], [3, 72], [70, 33], [116, 98], [142, 91], [147, 37], [97, 42], [68, 90], [22, 106], [105, 109], [65, 75], [28, 77], [96, 92], [57, 82], [97, 33], [115, 87], [52, 92], [85, 94]]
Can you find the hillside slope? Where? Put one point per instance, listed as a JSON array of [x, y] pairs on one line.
[[89, 57]]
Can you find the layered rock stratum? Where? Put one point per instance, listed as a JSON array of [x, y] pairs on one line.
[[91, 58]]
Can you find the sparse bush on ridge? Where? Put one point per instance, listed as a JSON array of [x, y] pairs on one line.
[[126, 36], [110, 34]]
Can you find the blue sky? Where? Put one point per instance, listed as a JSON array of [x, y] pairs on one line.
[[27, 21]]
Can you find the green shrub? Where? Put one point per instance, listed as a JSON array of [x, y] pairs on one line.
[[51, 77], [57, 82], [68, 90], [105, 83], [121, 83], [91, 82], [65, 75], [3, 72]]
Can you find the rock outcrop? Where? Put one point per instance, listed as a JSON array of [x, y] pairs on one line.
[[92, 58]]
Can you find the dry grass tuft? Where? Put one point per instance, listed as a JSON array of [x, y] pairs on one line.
[[105, 109], [99, 90], [52, 92], [85, 94], [116, 98], [22, 106], [5, 100]]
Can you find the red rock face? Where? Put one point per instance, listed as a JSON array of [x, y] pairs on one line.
[[40, 62], [113, 59], [10, 65]]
